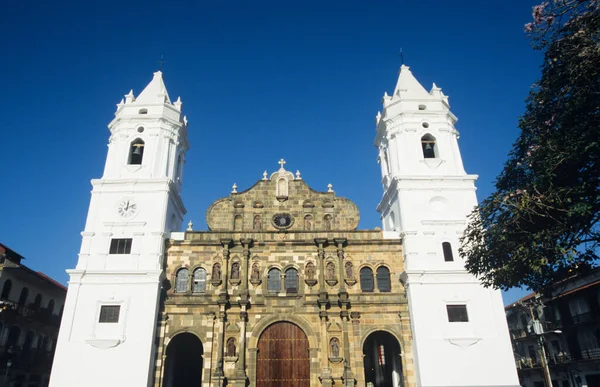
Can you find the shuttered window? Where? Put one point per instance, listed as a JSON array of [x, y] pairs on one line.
[[181, 281], [199, 281]]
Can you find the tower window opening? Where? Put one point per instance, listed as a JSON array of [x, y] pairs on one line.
[[457, 313], [425, 125], [422, 107], [143, 111], [120, 246], [136, 152], [448, 256], [109, 313], [140, 129], [429, 146]]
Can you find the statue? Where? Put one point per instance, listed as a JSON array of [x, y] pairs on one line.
[[257, 223], [255, 276], [335, 347], [310, 271], [330, 271], [235, 270], [307, 222], [327, 222], [230, 347], [216, 272], [348, 267]]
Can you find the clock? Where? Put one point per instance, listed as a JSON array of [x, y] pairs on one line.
[[127, 208], [282, 220]]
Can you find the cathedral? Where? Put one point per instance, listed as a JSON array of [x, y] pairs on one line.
[[282, 289]]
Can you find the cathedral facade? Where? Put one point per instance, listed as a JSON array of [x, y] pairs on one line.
[[282, 289]]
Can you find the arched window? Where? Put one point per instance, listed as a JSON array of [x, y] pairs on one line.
[[383, 279], [291, 280], [199, 281], [181, 280], [6, 290], [37, 303], [23, 297], [274, 281], [366, 279], [429, 147], [136, 152], [448, 256], [50, 307]]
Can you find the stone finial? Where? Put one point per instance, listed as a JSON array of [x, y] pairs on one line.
[[121, 103], [129, 98], [265, 175], [329, 188], [178, 104], [298, 175], [234, 188], [185, 120], [190, 226]]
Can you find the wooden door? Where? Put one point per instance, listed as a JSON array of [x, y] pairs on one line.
[[283, 357]]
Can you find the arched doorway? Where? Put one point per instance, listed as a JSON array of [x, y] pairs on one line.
[[382, 360], [183, 365], [283, 357]]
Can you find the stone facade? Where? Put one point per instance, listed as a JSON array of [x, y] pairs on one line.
[[328, 304]]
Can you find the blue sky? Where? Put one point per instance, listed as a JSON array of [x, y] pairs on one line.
[[259, 80]]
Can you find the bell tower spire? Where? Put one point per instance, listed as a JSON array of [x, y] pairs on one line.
[[112, 302], [460, 334]]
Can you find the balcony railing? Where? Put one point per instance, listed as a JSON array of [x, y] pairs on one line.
[[43, 315], [527, 362], [590, 354], [582, 318]]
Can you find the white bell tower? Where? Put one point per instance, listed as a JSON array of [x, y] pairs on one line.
[[460, 334], [107, 331]]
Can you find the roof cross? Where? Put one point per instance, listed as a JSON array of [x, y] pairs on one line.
[[281, 163]]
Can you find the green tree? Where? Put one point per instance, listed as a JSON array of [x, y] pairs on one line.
[[541, 222]]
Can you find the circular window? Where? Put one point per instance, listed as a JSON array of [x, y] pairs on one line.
[[140, 129], [425, 125], [282, 221]]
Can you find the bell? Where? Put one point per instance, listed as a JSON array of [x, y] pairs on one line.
[[137, 151], [428, 147]]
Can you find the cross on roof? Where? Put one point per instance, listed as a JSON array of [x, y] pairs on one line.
[[281, 163]]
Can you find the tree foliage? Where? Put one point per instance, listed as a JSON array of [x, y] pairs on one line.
[[541, 223]]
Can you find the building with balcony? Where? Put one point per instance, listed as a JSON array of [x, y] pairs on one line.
[[559, 332], [30, 309]]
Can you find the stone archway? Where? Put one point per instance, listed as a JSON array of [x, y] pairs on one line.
[[283, 357], [183, 364], [382, 360]]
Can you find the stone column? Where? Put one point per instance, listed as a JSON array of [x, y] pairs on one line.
[[223, 301], [344, 301], [241, 377], [326, 377]]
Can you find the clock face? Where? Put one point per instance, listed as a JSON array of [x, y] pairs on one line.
[[127, 208], [282, 220]]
